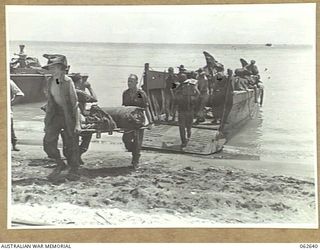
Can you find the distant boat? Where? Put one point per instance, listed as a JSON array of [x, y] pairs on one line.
[[269, 44]]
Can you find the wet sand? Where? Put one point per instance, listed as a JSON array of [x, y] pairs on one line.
[[167, 190]]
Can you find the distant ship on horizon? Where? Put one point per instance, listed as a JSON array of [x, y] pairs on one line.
[[269, 44]]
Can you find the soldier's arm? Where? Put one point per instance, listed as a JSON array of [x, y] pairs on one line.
[[197, 92], [206, 84], [16, 99], [49, 108], [92, 93], [75, 106], [144, 99], [17, 94], [124, 99], [73, 95]]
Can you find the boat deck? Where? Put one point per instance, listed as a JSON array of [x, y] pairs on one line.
[[166, 137]]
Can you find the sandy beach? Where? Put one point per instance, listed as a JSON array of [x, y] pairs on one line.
[[167, 190], [162, 192]]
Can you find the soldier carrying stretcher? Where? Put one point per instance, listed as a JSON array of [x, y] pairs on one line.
[[81, 85], [62, 113], [133, 138]]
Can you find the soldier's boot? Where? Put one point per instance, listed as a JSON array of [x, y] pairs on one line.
[[188, 134], [59, 168], [82, 151], [80, 160], [182, 131], [183, 144], [173, 117], [184, 141], [73, 174], [61, 165], [65, 152], [73, 170], [135, 161], [14, 146]]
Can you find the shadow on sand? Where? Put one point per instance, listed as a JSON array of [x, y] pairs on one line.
[[83, 173]]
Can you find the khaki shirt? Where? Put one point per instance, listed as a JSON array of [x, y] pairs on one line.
[[135, 97]]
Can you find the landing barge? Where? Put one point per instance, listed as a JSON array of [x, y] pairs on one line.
[[27, 73], [240, 105]]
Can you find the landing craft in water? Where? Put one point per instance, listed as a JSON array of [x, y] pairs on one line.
[[240, 104], [30, 77]]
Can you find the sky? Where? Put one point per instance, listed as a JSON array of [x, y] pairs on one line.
[[195, 24]]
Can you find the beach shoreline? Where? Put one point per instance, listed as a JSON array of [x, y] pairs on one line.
[[168, 190]]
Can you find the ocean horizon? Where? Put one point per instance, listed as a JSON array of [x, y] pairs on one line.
[[200, 44]]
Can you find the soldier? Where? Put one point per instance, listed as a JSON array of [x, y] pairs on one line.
[[133, 138], [81, 85], [203, 88], [186, 96], [252, 68], [182, 71], [15, 95], [171, 84], [218, 96], [62, 113]]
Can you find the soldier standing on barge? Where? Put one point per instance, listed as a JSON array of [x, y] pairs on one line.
[[203, 87], [171, 84], [187, 96], [252, 68]]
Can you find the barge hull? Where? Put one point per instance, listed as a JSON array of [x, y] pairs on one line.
[[32, 85]]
